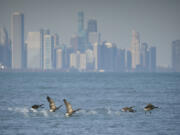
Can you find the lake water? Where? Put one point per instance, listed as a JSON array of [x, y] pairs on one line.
[[100, 97]]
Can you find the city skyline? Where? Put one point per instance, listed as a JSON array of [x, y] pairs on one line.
[[123, 41]]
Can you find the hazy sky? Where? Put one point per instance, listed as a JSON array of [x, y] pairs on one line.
[[157, 21]]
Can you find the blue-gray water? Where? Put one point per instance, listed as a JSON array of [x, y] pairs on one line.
[[100, 96]]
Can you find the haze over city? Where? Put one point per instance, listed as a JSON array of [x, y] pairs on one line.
[[156, 21]]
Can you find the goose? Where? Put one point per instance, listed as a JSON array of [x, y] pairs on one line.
[[52, 105], [69, 110], [128, 109], [149, 107], [37, 106]]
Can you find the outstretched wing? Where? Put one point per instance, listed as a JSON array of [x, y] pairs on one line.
[[51, 103], [68, 106]]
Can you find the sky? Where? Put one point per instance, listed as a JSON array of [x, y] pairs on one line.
[[157, 21]]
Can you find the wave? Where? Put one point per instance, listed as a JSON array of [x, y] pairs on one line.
[[44, 112]]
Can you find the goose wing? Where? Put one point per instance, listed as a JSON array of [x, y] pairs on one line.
[[68, 106], [51, 103]]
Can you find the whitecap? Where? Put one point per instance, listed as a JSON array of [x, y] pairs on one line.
[[44, 112]]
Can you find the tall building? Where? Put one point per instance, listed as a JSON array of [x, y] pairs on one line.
[[89, 60], [152, 59], [92, 25], [129, 61], [17, 37], [176, 56], [78, 61], [93, 35], [135, 49], [82, 34], [34, 49], [48, 52], [74, 41], [80, 22], [144, 57], [59, 58], [120, 62], [5, 50]]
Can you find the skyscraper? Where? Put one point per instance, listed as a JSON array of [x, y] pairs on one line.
[[17, 37], [129, 61], [152, 59], [176, 56], [5, 51], [59, 58], [144, 57], [34, 48], [92, 32], [48, 52], [92, 25], [135, 49], [80, 22]]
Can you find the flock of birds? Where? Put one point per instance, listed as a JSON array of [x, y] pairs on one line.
[[70, 111]]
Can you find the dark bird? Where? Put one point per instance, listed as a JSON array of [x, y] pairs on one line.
[[128, 109], [69, 110], [52, 105], [149, 107], [37, 106]]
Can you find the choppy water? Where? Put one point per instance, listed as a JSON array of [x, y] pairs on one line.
[[101, 97]]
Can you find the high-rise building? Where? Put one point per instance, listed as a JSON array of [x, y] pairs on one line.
[[120, 62], [74, 42], [17, 37], [92, 32], [107, 57], [129, 61], [80, 22], [135, 49], [48, 52], [152, 59], [5, 52], [176, 56], [34, 49], [89, 60], [92, 25], [59, 58], [78, 61], [82, 62], [144, 57]]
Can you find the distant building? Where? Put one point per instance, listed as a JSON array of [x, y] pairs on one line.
[[152, 59], [80, 23], [176, 56], [5, 49], [129, 61], [144, 57], [78, 61], [120, 60], [48, 52], [59, 58], [34, 49], [74, 41], [17, 37], [89, 60], [135, 49], [92, 26]]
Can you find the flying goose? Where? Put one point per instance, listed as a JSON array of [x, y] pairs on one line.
[[149, 107], [52, 105], [69, 110], [37, 106], [128, 109]]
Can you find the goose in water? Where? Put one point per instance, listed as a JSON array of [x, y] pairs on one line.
[[52, 105], [128, 109], [149, 107], [37, 106], [69, 110]]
